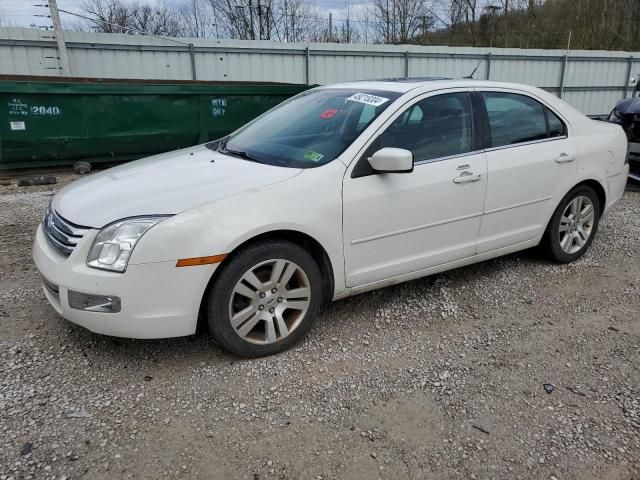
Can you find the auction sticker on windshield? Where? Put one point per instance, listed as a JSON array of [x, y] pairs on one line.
[[367, 98], [329, 113], [313, 156]]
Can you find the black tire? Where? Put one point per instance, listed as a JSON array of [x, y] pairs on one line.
[[232, 271], [551, 239]]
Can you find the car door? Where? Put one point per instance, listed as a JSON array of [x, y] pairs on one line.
[[530, 159], [396, 224]]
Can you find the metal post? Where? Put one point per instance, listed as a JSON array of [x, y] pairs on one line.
[[628, 79], [406, 64], [565, 59], [192, 55], [306, 66], [62, 47], [564, 65], [488, 66]]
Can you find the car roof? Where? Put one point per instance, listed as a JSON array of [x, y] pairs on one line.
[[404, 85]]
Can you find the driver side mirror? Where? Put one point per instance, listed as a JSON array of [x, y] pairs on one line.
[[392, 160]]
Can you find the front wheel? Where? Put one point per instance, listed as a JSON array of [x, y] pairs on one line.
[[265, 299], [573, 225]]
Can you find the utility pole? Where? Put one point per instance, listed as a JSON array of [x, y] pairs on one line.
[[62, 47], [330, 27]]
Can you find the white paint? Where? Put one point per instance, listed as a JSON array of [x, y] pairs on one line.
[[218, 107], [168, 183], [392, 160], [44, 110], [17, 107], [377, 230]]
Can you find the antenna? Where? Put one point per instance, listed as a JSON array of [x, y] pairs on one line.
[[475, 69]]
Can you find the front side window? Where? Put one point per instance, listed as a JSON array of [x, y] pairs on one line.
[[438, 126], [308, 130], [516, 118]]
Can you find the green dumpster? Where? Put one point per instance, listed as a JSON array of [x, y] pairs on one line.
[[49, 122]]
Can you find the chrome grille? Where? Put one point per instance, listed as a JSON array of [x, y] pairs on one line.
[[62, 234]]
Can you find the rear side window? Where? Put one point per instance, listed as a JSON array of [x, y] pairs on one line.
[[556, 126], [515, 118]]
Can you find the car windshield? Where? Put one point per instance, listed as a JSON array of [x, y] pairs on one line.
[[308, 130]]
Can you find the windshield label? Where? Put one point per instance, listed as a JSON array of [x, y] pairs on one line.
[[368, 99], [328, 113], [313, 156]]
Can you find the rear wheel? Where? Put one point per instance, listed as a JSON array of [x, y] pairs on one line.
[[573, 225], [265, 299]]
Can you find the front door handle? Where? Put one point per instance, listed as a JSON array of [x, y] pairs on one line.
[[565, 158], [467, 177]]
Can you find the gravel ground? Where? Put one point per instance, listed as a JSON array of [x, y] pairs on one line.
[[442, 377]]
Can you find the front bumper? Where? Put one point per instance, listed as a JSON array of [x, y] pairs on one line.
[[158, 300]]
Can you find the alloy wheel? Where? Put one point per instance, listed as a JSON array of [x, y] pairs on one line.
[[576, 224], [269, 301]]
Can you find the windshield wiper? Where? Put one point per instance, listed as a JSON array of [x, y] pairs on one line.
[[222, 143], [240, 154], [222, 148]]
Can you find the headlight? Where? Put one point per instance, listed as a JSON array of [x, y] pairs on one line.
[[112, 247]]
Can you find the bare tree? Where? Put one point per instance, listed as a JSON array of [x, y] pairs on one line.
[[197, 19], [284, 20], [470, 16], [118, 16], [293, 21], [235, 19], [108, 16], [399, 21], [602, 24], [451, 15]]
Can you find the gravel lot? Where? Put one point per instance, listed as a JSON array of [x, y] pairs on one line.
[[437, 378]]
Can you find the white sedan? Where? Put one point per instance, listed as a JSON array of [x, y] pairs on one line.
[[339, 190]]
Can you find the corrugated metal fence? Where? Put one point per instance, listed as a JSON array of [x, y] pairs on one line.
[[590, 80]]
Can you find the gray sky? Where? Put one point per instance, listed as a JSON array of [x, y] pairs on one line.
[[21, 13]]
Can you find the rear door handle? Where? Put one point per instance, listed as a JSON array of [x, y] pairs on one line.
[[467, 177], [565, 158]]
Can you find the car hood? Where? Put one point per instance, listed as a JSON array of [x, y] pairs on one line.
[[169, 183]]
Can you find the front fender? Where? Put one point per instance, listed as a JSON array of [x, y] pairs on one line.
[[310, 203]]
